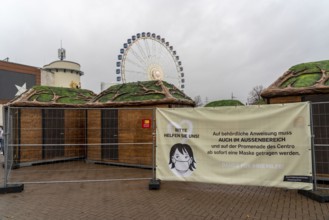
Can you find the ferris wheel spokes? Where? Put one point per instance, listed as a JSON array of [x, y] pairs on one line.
[[137, 57], [136, 64], [147, 56], [141, 50], [147, 49]]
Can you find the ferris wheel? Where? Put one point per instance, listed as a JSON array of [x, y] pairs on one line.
[[147, 56]]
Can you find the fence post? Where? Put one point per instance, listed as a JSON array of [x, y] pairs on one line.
[[4, 119], [8, 188], [313, 149], [154, 183], [5, 147]]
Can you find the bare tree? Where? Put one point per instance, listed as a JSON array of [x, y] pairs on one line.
[[198, 101], [254, 95]]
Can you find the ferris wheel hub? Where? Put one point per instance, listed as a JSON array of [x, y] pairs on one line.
[[155, 72]]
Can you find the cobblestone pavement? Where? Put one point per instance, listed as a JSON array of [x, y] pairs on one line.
[[131, 199]]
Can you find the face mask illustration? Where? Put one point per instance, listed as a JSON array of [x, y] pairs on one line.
[[182, 166]]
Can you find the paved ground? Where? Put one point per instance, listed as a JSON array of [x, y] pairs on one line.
[[132, 200]]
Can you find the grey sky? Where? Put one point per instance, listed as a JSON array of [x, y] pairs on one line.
[[225, 46]]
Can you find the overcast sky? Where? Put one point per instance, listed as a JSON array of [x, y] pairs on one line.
[[225, 46]]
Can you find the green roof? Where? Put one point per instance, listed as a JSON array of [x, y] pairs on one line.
[[138, 92], [60, 95], [306, 74], [47, 95], [222, 103], [304, 78]]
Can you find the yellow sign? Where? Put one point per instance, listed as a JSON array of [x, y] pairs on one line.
[[267, 145]]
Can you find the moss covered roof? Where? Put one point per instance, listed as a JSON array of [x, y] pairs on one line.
[[53, 96], [137, 93], [221, 103], [304, 78], [142, 93]]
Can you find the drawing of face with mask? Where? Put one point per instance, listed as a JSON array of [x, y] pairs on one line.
[[181, 160]]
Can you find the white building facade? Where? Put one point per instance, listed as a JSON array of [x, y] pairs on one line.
[[61, 73]]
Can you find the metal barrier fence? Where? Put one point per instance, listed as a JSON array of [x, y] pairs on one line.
[[47, 145], [320, 133]]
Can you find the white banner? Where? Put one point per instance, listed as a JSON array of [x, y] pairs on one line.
[[266, 145]]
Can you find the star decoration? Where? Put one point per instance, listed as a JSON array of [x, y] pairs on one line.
[[20, 89]]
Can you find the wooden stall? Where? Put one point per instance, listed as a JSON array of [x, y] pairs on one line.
[[307, 82], [116, 136], [302, 82], [53, 124], [47, 126], [116, 122]]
